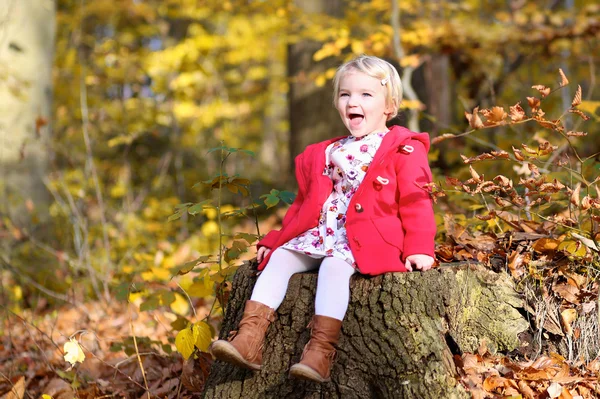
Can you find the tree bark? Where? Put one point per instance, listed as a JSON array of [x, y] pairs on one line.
[[27, 30], [398, 336]]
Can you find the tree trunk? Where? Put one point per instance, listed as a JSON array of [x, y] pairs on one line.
[[311, 113], [398, 336], [27, 30]]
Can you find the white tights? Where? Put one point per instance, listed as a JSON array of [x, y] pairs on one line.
[[333, 283]]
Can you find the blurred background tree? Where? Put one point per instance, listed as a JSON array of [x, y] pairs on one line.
[[142, 90]]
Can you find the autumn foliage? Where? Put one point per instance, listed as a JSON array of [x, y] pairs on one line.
[[186, 109]]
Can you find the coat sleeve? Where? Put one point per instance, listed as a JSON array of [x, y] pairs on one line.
[[415, 206], [270, 239]]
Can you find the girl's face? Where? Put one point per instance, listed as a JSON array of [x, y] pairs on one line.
[[361, 104]]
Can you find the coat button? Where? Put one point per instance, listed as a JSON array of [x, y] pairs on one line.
[[358, 208]]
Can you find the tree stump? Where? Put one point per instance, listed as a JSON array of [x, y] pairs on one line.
[[398, 337]]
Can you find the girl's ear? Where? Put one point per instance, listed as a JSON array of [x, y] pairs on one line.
[[391, 108]]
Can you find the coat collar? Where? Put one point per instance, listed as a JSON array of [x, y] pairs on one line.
[[392, 142]]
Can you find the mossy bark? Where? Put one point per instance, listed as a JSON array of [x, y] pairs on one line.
[[398, 336]]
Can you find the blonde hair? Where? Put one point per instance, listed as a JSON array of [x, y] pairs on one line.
[[378, 69]]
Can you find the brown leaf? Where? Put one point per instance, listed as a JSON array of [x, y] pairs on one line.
[[504, 181], [566, 291], [544, 245], [18, 390], [500, 154], [515, 264], [534, 169], [443, 137], [581, 114], [493, 382], [567, 317], [575, 195], [563, 78], [548, 124], [576, 134], [526, 390], [474, 174], [529, 150], [40, 122], [495, 115], [533, 102], [518, 154], [453, 181], [577, 99], [586, 203], [501, 202], [474, 119], [544, 91], [517, 113]]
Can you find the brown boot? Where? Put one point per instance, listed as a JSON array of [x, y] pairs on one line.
[[319, 352], [244, 347]]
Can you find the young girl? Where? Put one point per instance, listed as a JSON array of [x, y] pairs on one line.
[[361, 207]]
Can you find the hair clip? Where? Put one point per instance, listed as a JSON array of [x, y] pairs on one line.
[[384, 81]]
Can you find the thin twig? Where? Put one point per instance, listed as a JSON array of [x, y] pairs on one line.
[[90, 160]]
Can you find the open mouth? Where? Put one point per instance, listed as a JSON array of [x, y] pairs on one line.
[[355, 119]]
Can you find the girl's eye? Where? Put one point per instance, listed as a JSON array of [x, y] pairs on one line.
[[367, 94], [343, 94]]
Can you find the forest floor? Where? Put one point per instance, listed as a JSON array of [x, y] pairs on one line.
[[33, 365], [564, 314]]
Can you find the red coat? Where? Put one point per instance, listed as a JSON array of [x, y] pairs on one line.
[[389, 217]]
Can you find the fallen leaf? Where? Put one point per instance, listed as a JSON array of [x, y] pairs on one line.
[[567, 317], [17, 391], [73, 352], [554, 390]]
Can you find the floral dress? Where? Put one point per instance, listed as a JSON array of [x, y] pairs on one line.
[[346, 163]]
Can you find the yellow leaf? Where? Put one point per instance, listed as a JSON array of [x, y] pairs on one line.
[[590, 107], [73, 352], [210, 228], [203, 335], [44, 396], [358, 47], [320, 80], [184, 342], [412, 60], [180, 306], [572, 247], [201, 289]]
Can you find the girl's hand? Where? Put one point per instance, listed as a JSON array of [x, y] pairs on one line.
[[262, 253], [421, 262]]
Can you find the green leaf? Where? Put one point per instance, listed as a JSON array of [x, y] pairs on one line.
[[175, 216], [185, 342], [150, 303], [237, 248], [237, 212], [249, 238], [122, 291], [167, 348], [203, 334], [197, 208], [189, 266], [217, 149], [179, 323], [287, 196], [271, 201], [167, 297]]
